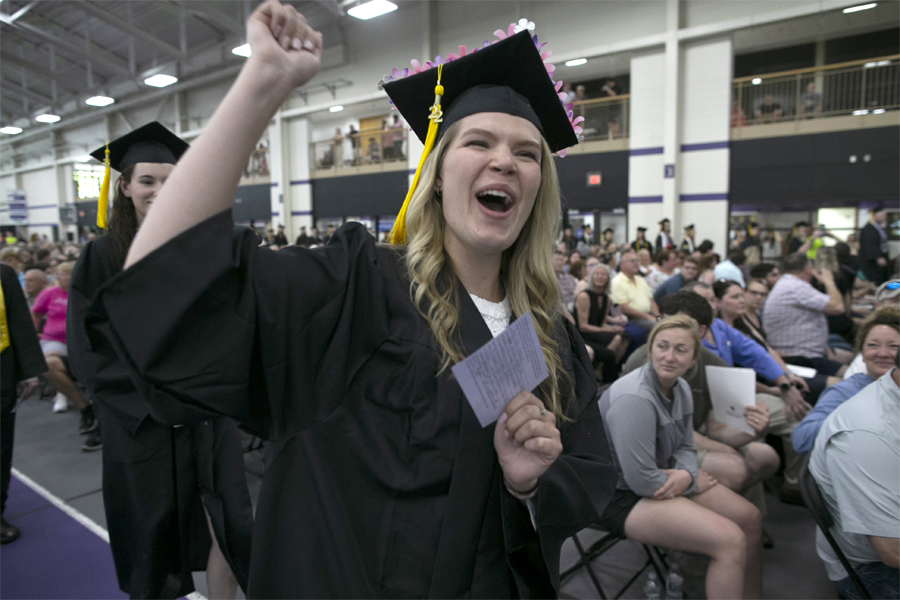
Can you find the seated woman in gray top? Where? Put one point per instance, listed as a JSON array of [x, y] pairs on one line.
[[661, 497]]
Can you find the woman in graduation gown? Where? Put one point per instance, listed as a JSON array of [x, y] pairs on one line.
[[379, 482], [157, 479]]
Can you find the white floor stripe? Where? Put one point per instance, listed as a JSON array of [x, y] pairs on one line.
[[79, 516]]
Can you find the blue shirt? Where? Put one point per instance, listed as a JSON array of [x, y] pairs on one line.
[[669, 286], [733, 346], [804, 434]]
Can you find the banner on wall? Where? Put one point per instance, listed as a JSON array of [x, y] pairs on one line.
[[18, 208]]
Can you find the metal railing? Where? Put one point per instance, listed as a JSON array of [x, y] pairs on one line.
[[849, 88], [367, 147], [604, 118]]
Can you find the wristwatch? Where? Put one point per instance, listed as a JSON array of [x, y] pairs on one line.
[[784, 386]]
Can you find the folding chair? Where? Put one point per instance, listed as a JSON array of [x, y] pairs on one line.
[[600, 547], [812, 496]]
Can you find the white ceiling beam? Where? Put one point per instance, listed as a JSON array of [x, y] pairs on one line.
[[136, 32]]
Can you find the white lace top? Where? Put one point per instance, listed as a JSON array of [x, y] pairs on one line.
[[496, 315]]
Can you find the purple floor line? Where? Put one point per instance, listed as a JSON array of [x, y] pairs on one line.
[[55, 557]]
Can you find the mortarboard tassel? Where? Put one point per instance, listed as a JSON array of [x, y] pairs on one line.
[[103, 202], [398, 232]]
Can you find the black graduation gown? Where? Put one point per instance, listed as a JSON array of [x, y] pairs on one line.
[[153, 474], [663, 243], [870, 250], [380, 482], [687, 245], [639, 245]]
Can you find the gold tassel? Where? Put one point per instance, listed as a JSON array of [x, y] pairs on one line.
[[103, 202], [398, 232]]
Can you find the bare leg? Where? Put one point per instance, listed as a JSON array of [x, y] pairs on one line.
[[762, 462], [686, 525], [62, 383], [740, 511], [220, 580], [729, 470]]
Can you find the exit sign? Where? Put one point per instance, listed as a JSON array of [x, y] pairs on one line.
[[594, 179]]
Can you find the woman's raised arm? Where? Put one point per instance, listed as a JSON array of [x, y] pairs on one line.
[[285, 53]]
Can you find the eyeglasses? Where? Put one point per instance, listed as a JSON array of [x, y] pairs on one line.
[[760, 294]]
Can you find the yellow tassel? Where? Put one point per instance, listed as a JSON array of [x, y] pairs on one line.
[[103, 202], [398, 232]]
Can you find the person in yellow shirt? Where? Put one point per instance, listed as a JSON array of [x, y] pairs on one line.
[[632, 294]]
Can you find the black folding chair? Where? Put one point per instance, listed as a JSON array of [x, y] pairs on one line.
[[812, 496], [600, 547]]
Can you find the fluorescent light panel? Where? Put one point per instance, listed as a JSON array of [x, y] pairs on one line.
[[336, 108], [160, 80], [10, 130], [242, 50], [47, 118], [372, 9], [576, 62], [878, 111], [756, 81], [99, 101], [857, 113], [860, 7]]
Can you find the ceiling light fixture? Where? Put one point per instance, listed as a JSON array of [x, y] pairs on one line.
[[372, 9], [99, 101], [242, 50], [576, 62], [159, 80], [47, 118], [336, 108], [756, 81], [878, 111], [860, 7], [10, 130], [857, 113]]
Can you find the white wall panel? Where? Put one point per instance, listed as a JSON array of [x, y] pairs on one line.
[[705, 172], [706, 92], [647, 102], [710, 220], [645, 175]]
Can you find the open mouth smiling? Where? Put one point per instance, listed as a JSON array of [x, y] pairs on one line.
[[497, 201]]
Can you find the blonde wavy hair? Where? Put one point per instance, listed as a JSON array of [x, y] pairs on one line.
[[676, 322], [526, 269]]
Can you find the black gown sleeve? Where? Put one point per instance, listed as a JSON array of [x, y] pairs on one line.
[[23, 341], [211, 324]]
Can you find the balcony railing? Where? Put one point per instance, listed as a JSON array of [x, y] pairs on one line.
[[604, 118], [850, 88], [367, 147]]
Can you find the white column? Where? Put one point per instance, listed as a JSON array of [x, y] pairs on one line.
[[276, 170], [300, 186], [671, 134], [705, 128]]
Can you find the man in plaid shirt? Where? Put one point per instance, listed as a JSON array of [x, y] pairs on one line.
[[795, 317]]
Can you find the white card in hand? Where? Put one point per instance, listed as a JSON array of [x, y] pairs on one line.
[[510, 363], [731, 390]]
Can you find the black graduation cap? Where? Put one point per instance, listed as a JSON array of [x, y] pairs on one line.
[[642, 229], [608, 230], [691, 226], [664, 221], [508, 77], [152, 143], [801, 224]]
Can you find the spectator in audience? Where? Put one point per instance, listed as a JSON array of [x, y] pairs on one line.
[[610, 89], [730, 268], [664, 238], [878, 342], [353, 134], [853, 243], [689, 272], [598, 329], [873, 247], [337, 147], [769, 111], [856, 463], [645, 259], [767, 272], [735, 458], [772, 245], [738, 118], [398, 136], [641, 243], [35, 282], [633, 295], [795, 320], [51, 304], [661, 497], [387, 141], [687, 244], [888, 293], [810, 102], [665, 267], [588, 235], [567, 283], [373, 151]]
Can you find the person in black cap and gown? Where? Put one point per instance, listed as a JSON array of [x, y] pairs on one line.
[[641, 242], [607, 246], [164, 488], [873, 247], [380, 481], [21, 360], [687, 244], [664, 239]]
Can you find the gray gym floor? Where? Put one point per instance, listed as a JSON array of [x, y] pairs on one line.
[[47, 449]]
